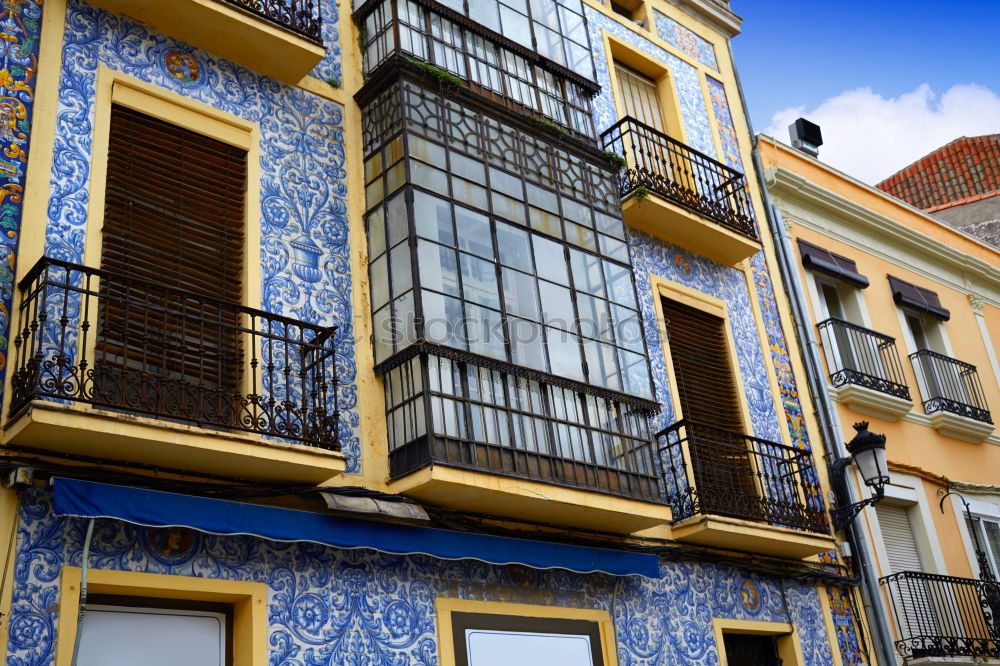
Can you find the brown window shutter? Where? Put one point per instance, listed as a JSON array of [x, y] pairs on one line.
[[702, 366], [835, 265], [172, 246]]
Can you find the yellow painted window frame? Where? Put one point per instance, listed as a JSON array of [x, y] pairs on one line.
[[249, 602], [616, 50], [114, 87], [663, 288], [446, 606], [789, 646]]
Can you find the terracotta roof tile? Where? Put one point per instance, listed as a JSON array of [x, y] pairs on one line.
[[967, 168]]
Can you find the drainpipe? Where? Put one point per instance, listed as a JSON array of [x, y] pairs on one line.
[[829, 423]]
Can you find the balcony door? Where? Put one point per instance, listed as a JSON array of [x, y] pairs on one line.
[[172, 262], [639, 97], [708, 395]]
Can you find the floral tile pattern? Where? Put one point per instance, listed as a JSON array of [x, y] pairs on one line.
[[303, 180], [724, 124], [328, 68], [20, 27], [328, 606], [690, 43]]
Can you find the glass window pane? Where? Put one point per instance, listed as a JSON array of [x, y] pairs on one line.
[[474, 233], [602, 363], [515, 27], [619, 280], [395, 178], [576, 211], [519, 294], [550, 258], [486, 12], [595, 320], [564, 353], [543, 198], [485, 331], [469, 193], [397, 219], [467, 168], [557, 305], [479, 281], [432, 218], [635, 373], [437, 268], [376, 233], [587, 274], [405, 320], [382, 333], [443, 322], [628, 332], [425, 150], [546, 222], [515, 250], [526, 343], [581, 236], [506, 207], [501, 181], [379, 271], [433, 179], [399, 267], [614, 248]]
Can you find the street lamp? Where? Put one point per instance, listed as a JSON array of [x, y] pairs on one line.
[[867, 450]]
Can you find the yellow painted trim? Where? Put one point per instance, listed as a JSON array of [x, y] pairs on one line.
[[9, 506], [787, 639], [666, 89], [446, 606], [38, 176], [249, 601]]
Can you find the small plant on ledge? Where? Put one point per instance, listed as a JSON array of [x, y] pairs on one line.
[[444, 78], [615, 160], [333, 82], [549, 126], [640, 193]]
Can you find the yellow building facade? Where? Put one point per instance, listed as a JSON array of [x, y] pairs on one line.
[[371, 334], [903, 310]]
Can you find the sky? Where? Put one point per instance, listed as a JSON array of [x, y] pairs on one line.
[[888, 81]]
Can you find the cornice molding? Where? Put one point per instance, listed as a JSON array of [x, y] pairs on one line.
[[906, 243]]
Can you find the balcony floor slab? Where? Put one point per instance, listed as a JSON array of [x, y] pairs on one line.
[[961, 427], [114, 436], [530, 500], [731, 533], [872, 403]]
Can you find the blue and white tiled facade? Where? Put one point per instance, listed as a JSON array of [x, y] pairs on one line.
[[330, 606], [362, 608]]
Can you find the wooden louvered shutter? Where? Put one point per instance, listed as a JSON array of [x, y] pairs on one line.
[[897, 535], [173, 244], [707, 393], [639, 97], [702, 367]]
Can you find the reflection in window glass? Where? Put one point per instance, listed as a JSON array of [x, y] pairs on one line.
[[443, 320], [519, 294], [474, 233], [479, 281]]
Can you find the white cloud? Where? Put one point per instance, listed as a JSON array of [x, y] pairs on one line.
[[870, 137]]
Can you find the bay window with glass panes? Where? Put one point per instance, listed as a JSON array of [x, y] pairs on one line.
[[506, 323]]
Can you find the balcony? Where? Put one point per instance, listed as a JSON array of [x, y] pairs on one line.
[[682, 196], [865, 369], [732, 490], [953, 396], [278, 38], [476, 436], [116, 368], [944, 619]]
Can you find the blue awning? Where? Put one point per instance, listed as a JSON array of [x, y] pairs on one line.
[[153, 508]]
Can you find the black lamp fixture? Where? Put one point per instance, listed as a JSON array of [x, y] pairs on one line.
[[867, 450]]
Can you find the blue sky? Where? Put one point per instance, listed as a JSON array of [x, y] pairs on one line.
[[807, 54]]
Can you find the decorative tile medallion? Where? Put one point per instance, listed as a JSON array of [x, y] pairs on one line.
[[182, 67], [684, 39]]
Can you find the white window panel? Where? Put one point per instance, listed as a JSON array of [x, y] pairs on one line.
[[503, 648], [125, 636]]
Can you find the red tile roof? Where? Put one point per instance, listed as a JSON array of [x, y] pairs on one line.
[[965, 170]]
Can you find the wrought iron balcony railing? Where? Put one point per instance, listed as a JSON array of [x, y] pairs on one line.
[[668, 168], [88, 336], [712, 471], [299, 16], [944, 616], [949, 385], [450, 410], [859, 356]]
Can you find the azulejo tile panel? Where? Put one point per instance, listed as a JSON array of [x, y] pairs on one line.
[[305, 256], [20, 28], [724, 124], [328, 606], [684, 39], [329, 69]]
